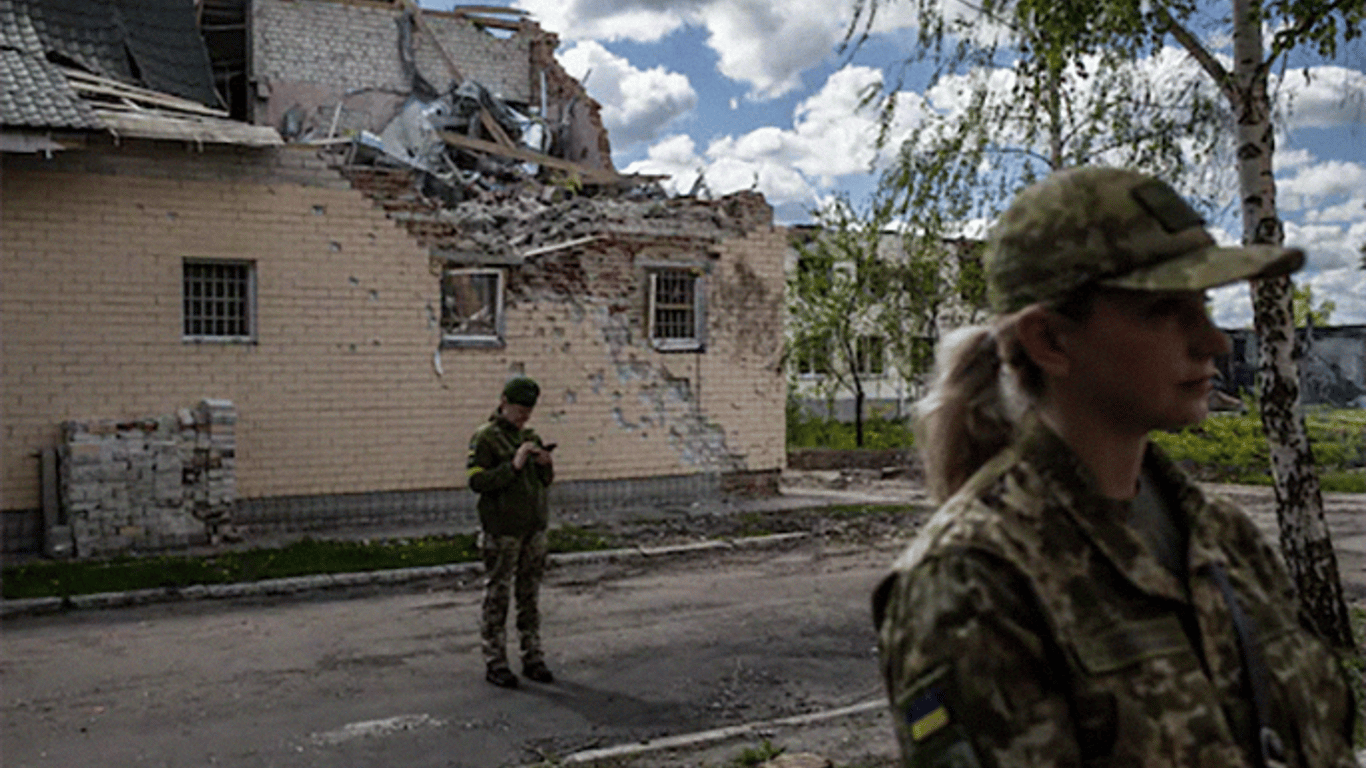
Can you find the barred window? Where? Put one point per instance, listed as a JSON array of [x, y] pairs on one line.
[[675, 311], [472, 307], [219, 300]]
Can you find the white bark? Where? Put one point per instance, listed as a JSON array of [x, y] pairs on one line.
[[1305, 542]]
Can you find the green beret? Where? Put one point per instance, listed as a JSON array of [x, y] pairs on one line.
[[521, 391]]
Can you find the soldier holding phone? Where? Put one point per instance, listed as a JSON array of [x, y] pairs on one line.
[[511, 470]]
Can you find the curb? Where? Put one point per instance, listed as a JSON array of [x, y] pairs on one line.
[[718, 734], [297, 585]]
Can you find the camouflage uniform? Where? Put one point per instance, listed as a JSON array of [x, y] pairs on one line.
[[513, 515], [1028, 625]]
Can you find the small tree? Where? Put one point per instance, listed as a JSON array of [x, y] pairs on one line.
[[1306, 313], [833, 297], [863, 298]]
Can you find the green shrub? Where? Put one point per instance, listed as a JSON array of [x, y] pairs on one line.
[[879, 432], [1343, 481], [1233, 448]]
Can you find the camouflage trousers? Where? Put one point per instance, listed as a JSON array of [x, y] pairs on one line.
[[513, 565]]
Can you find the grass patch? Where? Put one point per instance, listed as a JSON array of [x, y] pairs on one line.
[[1355, 667], [306, 557], [757, 755], [1232, 448]]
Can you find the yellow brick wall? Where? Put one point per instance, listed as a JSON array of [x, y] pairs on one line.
[[340, 394]]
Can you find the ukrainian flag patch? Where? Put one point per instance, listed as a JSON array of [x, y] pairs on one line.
[[926, 715]]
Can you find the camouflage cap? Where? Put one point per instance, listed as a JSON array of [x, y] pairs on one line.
[[1115, 228], [521, 391]]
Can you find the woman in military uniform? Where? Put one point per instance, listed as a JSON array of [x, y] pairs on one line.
[[1077, 600]]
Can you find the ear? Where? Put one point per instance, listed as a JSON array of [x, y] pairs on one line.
[[1043, 336]]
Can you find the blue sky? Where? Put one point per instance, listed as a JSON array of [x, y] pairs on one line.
[[753, 94]]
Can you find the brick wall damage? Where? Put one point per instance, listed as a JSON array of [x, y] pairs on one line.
[[585, 255], [146, 484], [433, 90], [401, 167]]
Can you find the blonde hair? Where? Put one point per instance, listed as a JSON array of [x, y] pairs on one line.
[[983, 384]]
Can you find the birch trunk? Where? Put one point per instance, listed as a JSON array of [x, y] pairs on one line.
[[1305, 542]]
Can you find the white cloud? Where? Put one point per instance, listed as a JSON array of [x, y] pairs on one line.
[[640, 20], [1346, 288], [1328, 246], [1314, 184], [1231, 306], [767, 44], [830, 138], [673, 156], [636, 104], [1287, 159], [1330, 97]]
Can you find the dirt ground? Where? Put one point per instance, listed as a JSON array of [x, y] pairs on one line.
[[1345, 513], [676, 648]]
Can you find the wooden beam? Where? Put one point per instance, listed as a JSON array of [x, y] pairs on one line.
[[486, 21], [495, 130], [422, 27], [87, 83], [463, 9], [595, 175]]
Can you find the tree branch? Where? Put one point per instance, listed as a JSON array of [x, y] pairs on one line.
[[1287, 39], [1221, 76]]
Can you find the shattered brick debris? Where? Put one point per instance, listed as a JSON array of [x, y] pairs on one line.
[[150, 483]]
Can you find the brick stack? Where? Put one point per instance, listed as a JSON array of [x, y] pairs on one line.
[[211, 478], [148, 484]]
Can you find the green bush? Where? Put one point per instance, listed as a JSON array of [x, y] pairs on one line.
[[879, 432], [1233, 448]]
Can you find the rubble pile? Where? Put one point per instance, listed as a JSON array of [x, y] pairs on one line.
[[151, 483], [507, 227]]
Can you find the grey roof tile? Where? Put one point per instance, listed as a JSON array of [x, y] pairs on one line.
[[33, 92]]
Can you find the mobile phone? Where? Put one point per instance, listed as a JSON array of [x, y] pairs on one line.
[[549, 446]]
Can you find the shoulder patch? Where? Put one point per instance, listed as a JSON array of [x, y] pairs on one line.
[[926, 714]]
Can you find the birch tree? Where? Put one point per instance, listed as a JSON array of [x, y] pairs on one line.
[[1047, 35]]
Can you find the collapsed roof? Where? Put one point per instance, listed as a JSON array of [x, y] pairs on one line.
[[128, 67]]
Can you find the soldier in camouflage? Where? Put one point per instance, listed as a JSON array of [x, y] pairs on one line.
[[1076, 600], [511, 470]]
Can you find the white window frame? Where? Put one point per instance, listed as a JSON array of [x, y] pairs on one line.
[[815, 364], [494, 338], [861, 344], [204, 308], [697, 341]]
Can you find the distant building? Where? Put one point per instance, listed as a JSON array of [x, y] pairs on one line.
[[1332, 362], [887, 393]]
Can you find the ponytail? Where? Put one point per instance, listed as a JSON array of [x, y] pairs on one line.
[[970, 411]]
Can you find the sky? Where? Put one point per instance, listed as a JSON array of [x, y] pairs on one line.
[[755, 94]]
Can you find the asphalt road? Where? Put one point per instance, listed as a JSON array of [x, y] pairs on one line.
[[393, 677]]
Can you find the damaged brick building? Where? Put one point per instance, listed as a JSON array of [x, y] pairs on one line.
[[266, 264]]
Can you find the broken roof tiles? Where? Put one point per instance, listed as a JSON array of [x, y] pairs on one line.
[[33, 92], [111, 37]]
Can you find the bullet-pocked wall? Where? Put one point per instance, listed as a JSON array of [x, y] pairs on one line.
[[338, 392]]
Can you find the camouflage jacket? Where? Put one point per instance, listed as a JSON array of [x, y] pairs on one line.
[[1027, 625], [512, 502]]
